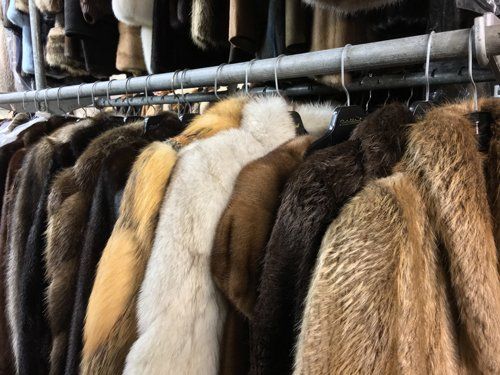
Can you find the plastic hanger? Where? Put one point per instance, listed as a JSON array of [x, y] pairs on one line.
[[297, 120], [344, 120], [481, 120], [420, 108]]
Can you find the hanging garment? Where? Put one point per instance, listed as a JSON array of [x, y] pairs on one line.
[[69, 246], [210, 23], [243, 232], [247, 24], [298, 25], [10, 187], [138, 13], [407, 277], [312, 198], [30, 335], [114, 295], [129, 56], [22, 21], [95, 10], [99, 40], [350, 6], [7, 83], [50, 6], [180, 311], [274, 36]]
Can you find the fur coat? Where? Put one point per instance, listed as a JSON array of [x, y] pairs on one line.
[[351, 6], [312, 198], [74, 237], [180, 311], [240, 240], [110, 326], [25, 274], [210, 23], [407, 278]]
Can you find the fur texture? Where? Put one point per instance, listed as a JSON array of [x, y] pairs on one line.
[[50, 6], [206, 23], [110, 327], [72, 236], [180, 311], [129, 56], [240, 240], [350, 6], [312, 198], [55, 57], [407, 278], [25, 283]]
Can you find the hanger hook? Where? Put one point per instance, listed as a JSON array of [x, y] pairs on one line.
[[217, 72], [45, 100], [78, 98], [24, 101], [247, 70], [183, 75], [92, 93], [58, 98], [35, 98], [369, 93], [342, 74], [146, 88], [427, 65], [174, 77], [276, 64], [471, 35]]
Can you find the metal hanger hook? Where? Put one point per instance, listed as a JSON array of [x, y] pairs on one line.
[[247, 70], [475, 95], [78, 98], [45, 100], [183, 76], [58, 99], [174, 77], [92, 93], [24, 101], [146, 89], [217, 72], [35, 98], [342, 73], [276, 74], [369, 93], [427, 65]]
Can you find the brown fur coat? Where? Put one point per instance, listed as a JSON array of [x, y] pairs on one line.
[[313, 196], [240, 240], [407, 278], [111, 327], [69, 212]]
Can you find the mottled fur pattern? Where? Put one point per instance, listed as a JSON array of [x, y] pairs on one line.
[[350, 6], [69, 204], [110, 327], [313, 196], [407, 278], [180, 311], [50, 6]]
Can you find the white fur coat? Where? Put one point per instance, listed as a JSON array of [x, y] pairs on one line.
[[180, 311]]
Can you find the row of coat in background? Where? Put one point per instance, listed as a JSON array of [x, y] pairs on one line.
[[232, 246], [102, 37]]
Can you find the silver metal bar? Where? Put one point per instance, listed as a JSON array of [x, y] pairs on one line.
[[370, 56], [366, 83], [36, 41]]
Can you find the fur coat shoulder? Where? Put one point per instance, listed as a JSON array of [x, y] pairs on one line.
[[69, 207], [25, 276], [180, 311], [110, 326], [350, 6], [313, 196], [407, 278]]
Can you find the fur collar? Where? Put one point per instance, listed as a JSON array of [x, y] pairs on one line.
[[423, 294], [313, 196], [350, 6], [211, 165]]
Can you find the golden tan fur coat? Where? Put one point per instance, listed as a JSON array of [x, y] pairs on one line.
[[407, 278], [110, 327]]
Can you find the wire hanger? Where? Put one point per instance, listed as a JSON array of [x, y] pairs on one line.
[[217, 72], [481, 120], [78, 99], [345, 118], [247, 70], [419, 108], [185, 118]]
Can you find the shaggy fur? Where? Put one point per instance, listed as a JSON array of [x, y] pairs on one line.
[[240, 240], [312, 198], [50, 6], [206, 23], [67, 242], [350, 6], [180, 311], [55, 57], [110, 326], [25, 281], [407, 278]]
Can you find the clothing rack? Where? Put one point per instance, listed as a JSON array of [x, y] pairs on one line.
[[363, 57]]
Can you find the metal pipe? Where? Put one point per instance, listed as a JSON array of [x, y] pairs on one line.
[[370, 56], [36, 41], [366, 83]]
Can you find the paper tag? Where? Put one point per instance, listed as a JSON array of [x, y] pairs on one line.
[[480, 6]]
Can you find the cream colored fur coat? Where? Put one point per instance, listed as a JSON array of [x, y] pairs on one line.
[[180, 311]]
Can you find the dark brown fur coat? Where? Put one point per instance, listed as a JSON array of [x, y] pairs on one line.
[[240, 240], [314, 196], [407, 279], [30, 335], [79, 224]]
